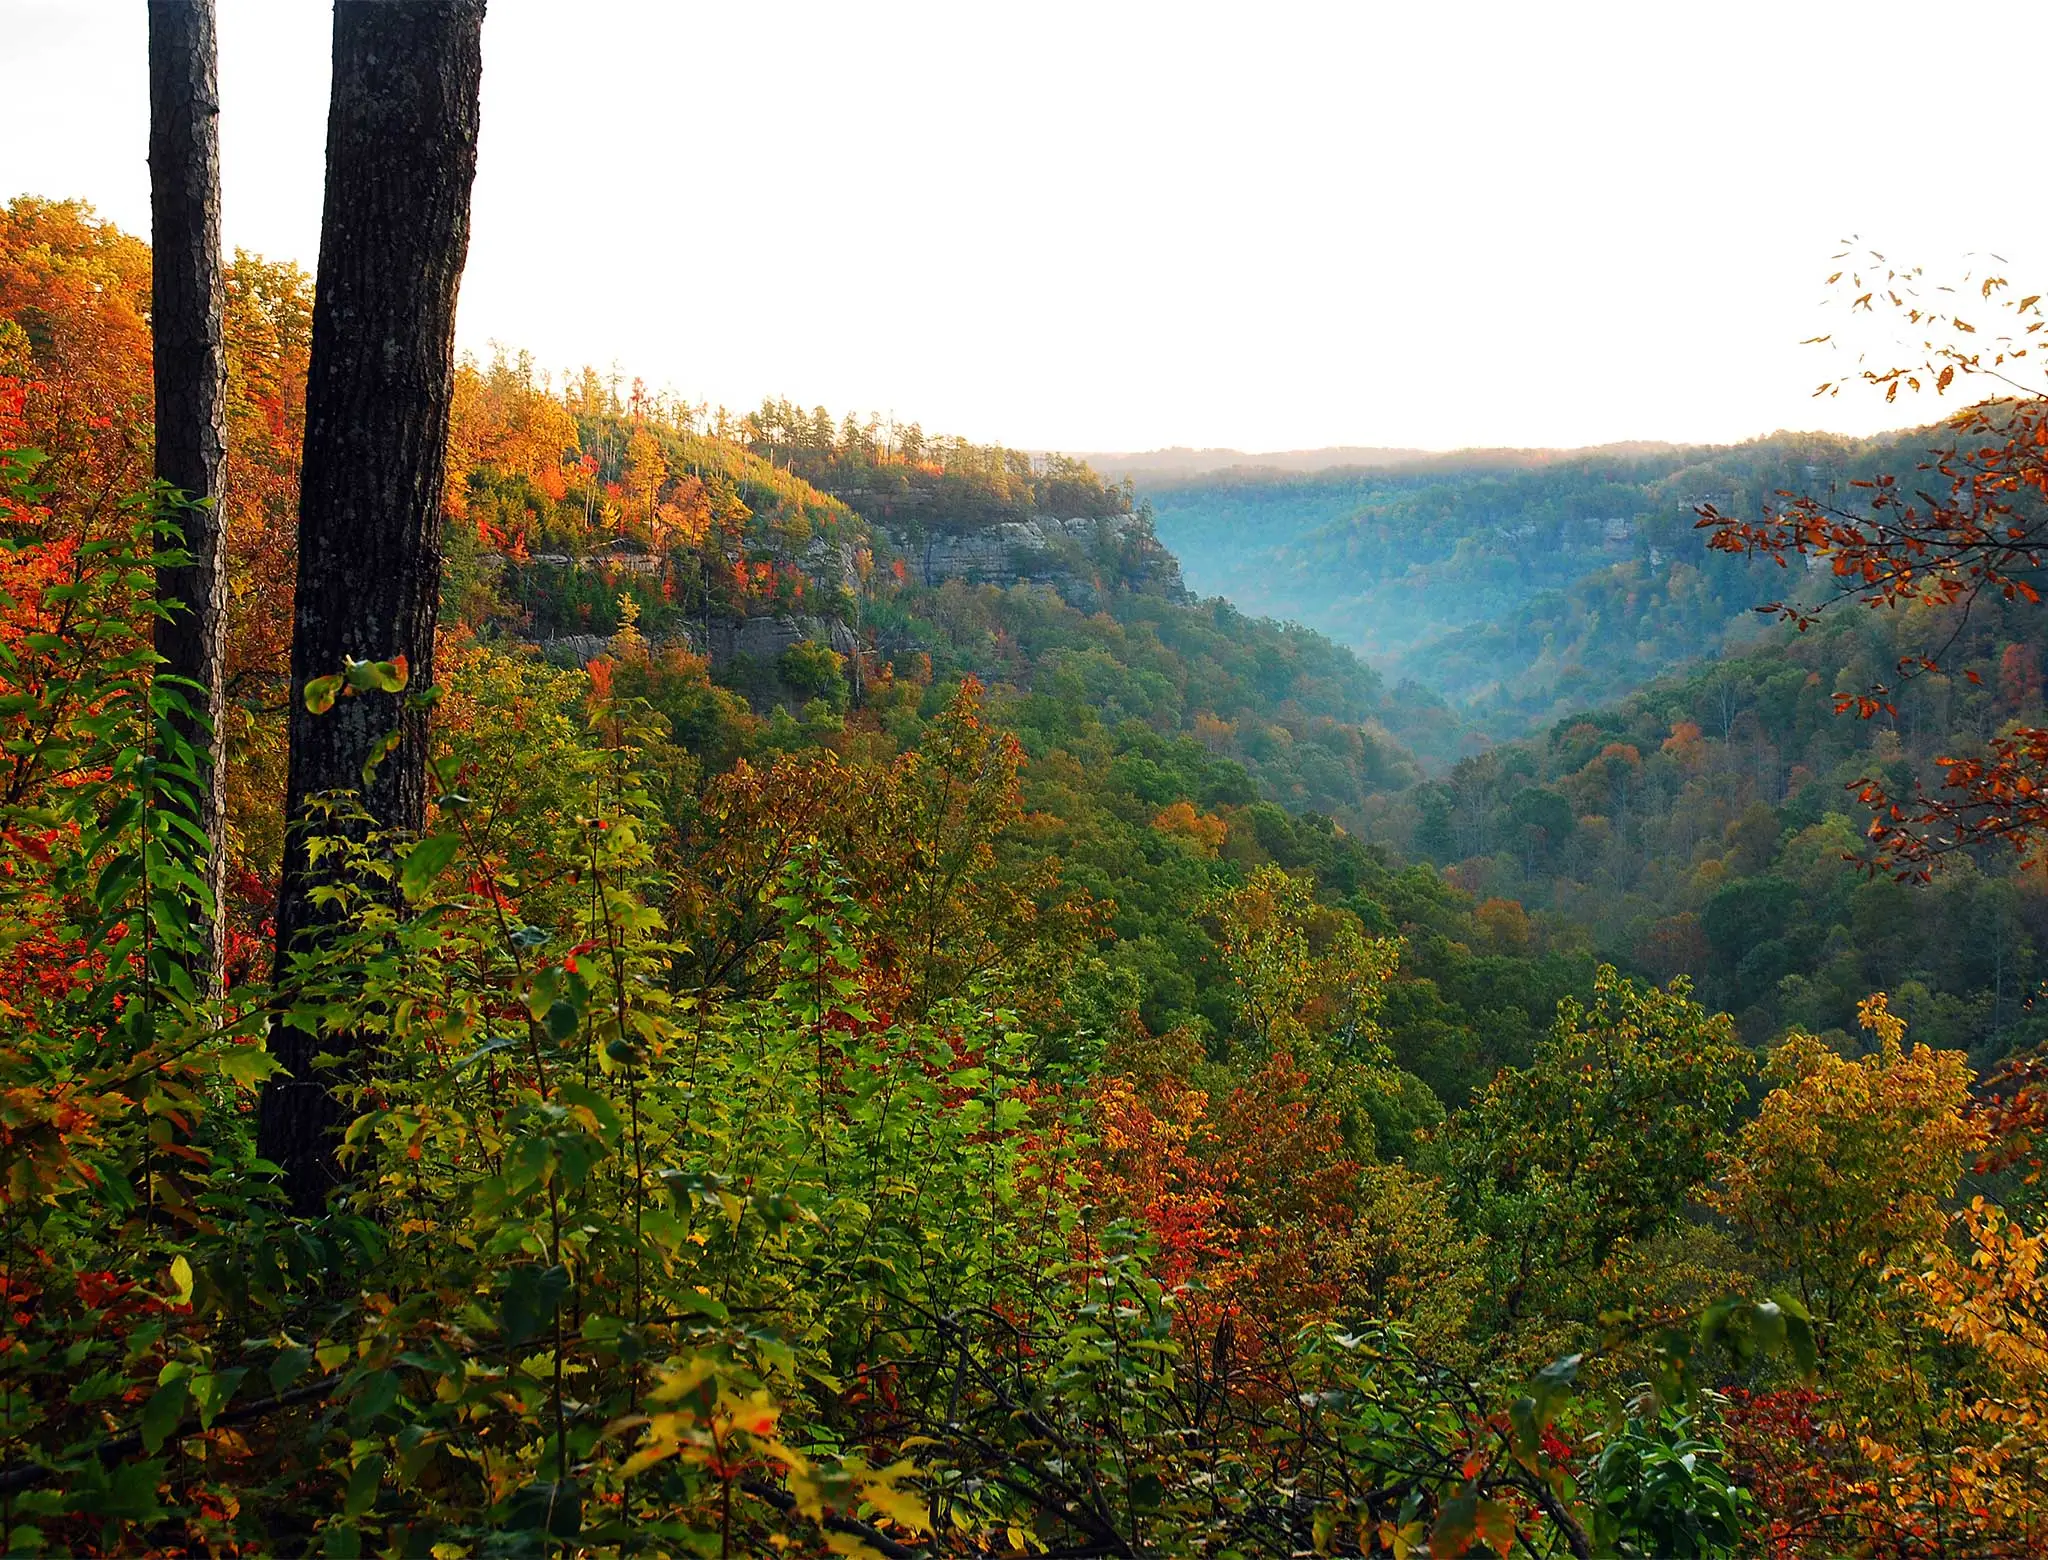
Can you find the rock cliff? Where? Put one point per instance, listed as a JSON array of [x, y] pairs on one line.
[[1086, 560]]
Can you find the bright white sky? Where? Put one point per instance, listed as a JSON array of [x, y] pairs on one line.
[[1115, 226]]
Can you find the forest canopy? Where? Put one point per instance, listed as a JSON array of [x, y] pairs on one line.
[[893, 1029]]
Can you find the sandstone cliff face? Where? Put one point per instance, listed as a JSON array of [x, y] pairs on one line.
[[765, 639], [575, 649], [1086, 561]]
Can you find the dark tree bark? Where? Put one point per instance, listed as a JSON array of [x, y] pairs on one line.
[[191, 389], [394, 231]]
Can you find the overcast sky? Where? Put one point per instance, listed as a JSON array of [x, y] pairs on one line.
[[1115, 226]]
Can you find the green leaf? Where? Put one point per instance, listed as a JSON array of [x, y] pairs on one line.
[[1528, 1433], [289, 1365], [212, 1389], [426, 861], [1799, 1337], [374, 676], [701, 1305], [1456, 1522], [119, 876], [123, 816], [562, 1020], [417, 1448], [162, 1413], [377, 1396], [1547, 1390], [321, 692], [128, 1494], [532, 1294], [380, 750], [556, 1510], [247, 1065], [363, 1485], [573, 1093], [547, 981]]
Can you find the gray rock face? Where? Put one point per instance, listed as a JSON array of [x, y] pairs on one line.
[[575, 649], [624, 556], [1084, 560], [830, 563], [765, 639], [582, 649]]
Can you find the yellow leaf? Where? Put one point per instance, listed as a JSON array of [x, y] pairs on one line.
[[676, 1383], [646, 1458], [181, 1280], [899, 1506], [847, 1544], [809, 1492]]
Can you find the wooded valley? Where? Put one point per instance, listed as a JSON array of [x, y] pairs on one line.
[[589, 974]]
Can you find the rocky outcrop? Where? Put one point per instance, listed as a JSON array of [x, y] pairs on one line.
[[831, 563], [575, 649], [625, 555], [764, 640], [582, 649], [1085, 560]]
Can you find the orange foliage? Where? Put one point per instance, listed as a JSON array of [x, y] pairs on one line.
[[501, 417], [2019, 677], [1248, 1201], [684, 519], [1506, 925], [1215, 733], [74, 305], [1205, 832], [1685, 744], [1971, 524]]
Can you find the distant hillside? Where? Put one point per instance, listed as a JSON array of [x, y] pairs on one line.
[[1699, 827], [1514, 583], [808, 563], [1180, 461]]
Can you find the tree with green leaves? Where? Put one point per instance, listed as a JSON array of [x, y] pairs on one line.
[[1601, 1140]]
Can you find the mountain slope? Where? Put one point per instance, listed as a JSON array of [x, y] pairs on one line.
[[1514, 583]]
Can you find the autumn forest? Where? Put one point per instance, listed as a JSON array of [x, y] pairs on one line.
[[587, 973]]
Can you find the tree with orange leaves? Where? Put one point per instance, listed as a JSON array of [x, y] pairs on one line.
[[1969, 527], [74, 301]]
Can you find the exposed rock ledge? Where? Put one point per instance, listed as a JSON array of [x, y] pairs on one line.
[[1084, 560], [761, 639], [764, 639]]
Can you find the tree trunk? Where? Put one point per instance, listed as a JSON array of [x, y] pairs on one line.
[[401, 155], [191, 376]]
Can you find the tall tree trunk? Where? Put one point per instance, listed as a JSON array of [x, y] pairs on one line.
[[394, 231], [191, 392]]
